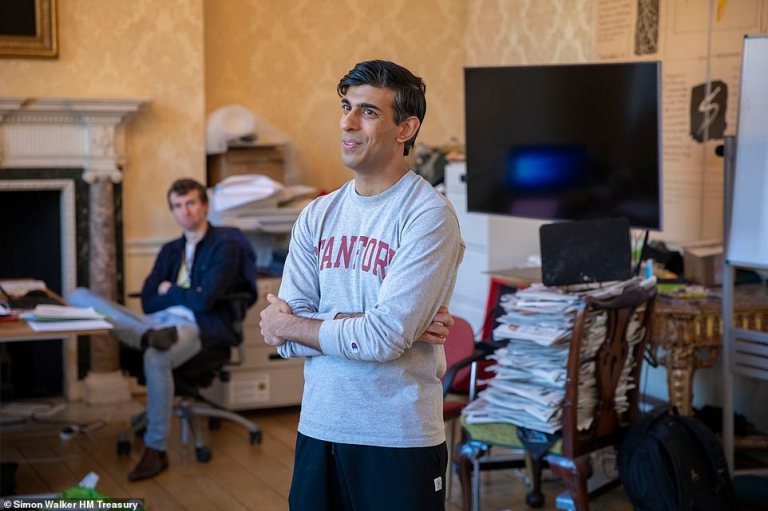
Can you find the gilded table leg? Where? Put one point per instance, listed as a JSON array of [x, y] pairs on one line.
[[681, 364]]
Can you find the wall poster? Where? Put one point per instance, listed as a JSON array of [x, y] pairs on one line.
[[699, 43]]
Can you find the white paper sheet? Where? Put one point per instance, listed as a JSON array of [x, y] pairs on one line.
[[64, 326]]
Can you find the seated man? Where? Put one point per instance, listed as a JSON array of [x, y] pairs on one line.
[[182, 299]]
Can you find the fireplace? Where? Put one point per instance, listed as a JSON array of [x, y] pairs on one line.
[[67, 156], [51, 207]]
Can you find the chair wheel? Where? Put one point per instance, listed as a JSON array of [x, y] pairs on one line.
[[123, 447], [214, 423], [255, 437], [138, 425], [535, 499], [203, 454]]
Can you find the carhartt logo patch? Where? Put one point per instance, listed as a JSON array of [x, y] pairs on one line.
[[438, 483]]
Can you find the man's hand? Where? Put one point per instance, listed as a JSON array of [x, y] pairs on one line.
[[438, 328], [272, 318], [163, 287]]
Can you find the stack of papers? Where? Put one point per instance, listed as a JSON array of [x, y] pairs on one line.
[[528, 387], [246, 191], [253, 202], [55, 318]]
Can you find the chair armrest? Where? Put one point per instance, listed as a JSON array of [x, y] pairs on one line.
[[482, 350], [450, 374], [488, 346]]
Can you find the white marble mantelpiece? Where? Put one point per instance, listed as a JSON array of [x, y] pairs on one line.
[[85, 133]]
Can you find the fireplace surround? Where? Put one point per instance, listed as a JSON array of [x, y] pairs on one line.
[[44, 144]]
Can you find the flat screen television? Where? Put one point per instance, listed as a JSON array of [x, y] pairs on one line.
[[565, 142]]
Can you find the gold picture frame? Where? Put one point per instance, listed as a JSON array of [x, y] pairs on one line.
[[28, 29]]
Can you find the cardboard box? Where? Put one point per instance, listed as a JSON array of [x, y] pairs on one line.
[[703, 262], [267, 160]]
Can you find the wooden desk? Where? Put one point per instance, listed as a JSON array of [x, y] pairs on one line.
[[20, 330], [688, 335], [11, 331], [14, 331]]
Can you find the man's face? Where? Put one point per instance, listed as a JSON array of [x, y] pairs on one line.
[[188, 210], [368, 130]]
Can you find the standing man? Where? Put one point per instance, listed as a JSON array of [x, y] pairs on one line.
[[369, 266], [182, 298]]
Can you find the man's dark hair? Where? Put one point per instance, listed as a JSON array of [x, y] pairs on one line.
[[409, 89], [185, 185]]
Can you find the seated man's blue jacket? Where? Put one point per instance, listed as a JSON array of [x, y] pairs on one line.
[[224, 263]]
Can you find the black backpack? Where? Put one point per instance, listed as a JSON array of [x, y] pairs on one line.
[[672, 463]]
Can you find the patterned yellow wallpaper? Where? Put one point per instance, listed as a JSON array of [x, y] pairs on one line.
[[283, 60], [136, 49], [509, 32]]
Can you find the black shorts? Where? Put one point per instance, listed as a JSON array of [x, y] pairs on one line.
[[344, 477]]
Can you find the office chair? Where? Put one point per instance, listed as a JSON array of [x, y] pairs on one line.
[[628, 320], [198, 373]]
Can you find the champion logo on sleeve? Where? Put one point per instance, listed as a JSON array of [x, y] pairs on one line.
[[355, 347]]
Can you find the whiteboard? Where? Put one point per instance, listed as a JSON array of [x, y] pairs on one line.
[[748, 238]]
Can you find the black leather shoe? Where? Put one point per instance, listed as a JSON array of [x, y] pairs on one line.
[[152, 463], [162, 338]]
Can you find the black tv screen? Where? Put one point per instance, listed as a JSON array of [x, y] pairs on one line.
[[565, 142]]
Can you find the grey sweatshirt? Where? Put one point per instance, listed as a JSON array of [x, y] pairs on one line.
[[393, 257]]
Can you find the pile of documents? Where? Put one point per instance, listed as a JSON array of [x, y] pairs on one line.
[[58, 318], [529, 383], [254, 202], [528, 388]]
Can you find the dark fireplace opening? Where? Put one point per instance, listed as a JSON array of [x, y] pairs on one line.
[[33, 216], [32, 240], [32, 236]]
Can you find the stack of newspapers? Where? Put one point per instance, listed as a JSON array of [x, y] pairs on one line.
[[528, 388]]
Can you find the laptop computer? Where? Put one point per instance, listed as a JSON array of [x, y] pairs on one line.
[[585, 251]]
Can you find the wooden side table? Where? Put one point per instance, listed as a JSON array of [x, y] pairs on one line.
[[688, 335]]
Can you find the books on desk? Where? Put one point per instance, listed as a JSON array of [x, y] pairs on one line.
[[56, 318], [20, 287], [25, 294]]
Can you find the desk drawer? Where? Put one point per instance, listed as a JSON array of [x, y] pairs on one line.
[[258, 389]]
